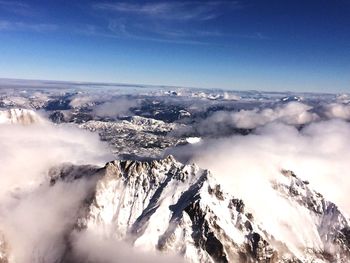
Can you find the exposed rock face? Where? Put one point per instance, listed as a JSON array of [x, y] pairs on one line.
[[57, 117]]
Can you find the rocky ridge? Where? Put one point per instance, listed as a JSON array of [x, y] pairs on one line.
[[164, 205]]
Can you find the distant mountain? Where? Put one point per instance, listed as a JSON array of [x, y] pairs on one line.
[[136, 135]]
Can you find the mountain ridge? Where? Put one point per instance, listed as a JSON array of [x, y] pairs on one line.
[[164, 205]]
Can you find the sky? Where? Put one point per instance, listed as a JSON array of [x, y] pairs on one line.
[[295, 45]]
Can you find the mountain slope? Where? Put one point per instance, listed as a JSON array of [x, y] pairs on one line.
[[169, 206], [164, 205], [20, 116]]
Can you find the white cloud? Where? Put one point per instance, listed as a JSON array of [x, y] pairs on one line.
[[293, 113], [21, 26], [28, 151], [179, 10], [338, 110], [246, 166], [17, 7], [95, 247], [82, 100], [34, 217], [35, 223], [116, 108], [230, 96]]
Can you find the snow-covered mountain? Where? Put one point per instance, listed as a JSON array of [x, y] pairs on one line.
[[164, 205], [135, 123], [324, 222], [20, 116], [136, 135]]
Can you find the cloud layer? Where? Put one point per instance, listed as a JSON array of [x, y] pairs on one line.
[[95, 247], [338, 110], [34, 217], [116, 108], [293, 113], [248, 165]]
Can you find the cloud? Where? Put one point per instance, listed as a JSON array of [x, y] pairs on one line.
[[90, 246], [22, 26], [163, 21], [82, 100], [16, 7], [92, 97], [338, 110], [343, 98], [292, 113], [37, 218], [116, 108], [189, 10], [121, 29], [230, 96], [247, 166], [34, 216], [35, 224], [12, 4], [159, 32], [29, 151]]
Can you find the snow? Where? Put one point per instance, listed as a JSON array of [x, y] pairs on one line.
[[146, 202], [168, 206], [193, 140], [20, 116]]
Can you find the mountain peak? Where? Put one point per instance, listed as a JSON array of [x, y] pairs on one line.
[[164, 205], [168, 206]]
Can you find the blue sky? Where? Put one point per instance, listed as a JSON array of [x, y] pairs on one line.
[[263, 45]]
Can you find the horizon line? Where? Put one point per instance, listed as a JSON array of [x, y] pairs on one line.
[[138, 85]]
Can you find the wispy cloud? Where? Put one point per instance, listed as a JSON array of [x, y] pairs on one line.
[[121, 31], [138, 31], [12, 4], [21, 26], [183, 22], [16, 7], [179, 10], [22, 17], [173, 33]]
